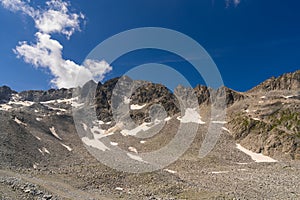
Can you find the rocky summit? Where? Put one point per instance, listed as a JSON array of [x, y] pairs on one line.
[[49, 141]]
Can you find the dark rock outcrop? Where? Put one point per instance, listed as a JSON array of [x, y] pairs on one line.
[[5, 94], [40, 96], [289, 81]]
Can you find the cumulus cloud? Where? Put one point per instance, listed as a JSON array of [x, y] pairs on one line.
[[47, 52], [232, 2]]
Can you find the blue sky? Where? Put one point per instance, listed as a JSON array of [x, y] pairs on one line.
[[249, 41]]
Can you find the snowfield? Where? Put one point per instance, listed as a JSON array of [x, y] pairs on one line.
[[257, 157]]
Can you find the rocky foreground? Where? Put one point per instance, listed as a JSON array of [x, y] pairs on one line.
[[256, 156]]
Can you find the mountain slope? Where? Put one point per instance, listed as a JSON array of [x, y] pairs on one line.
[[38, 138]]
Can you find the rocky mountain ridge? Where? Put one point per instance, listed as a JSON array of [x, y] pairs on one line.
[[38, 138]]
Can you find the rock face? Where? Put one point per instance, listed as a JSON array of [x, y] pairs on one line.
[[264, 119], [5, 94], [268, 120], [40, 96], [289, 81], [40, 144]]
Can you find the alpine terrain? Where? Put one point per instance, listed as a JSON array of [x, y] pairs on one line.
[[49, 139]]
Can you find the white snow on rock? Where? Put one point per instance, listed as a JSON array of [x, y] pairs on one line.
[[38, 138], [22, 103], [98, 133], [168, 119], [95, 143], [85, 127], [5, 107], [226, 129], [257, 157], [143, 127], [45, 150], [256, 119], [19, 122], [114, 143], [287, 97], [132, 149], [170, 171], [57, 109], [127, 100], [119, 189], [137, 107], [191, 115], [38, 119], [135, 157], [142, 141], [219, 122], [263, 97], [220, 172], [41, 151], [52, 129], [66, 146], [36, 111], [98, 122], [242, 163]]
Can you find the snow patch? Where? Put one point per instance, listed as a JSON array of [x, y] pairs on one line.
[[119, 189], [257, 157], [45, 150], [66, 146], [167, 119], [220, 172], [95, 143], [52, 129], [114, 143], [142, 141], [19, 122], [191, 116], [287, 97], [132, 149], [22, 103], [137, 107], [226, 129], [56, 109], [170, 171], [38, 138], [219, 122], [127, 100], [5, 107], [256, 119], [38, 119], [135, 157], [143, 127], [85, 127]]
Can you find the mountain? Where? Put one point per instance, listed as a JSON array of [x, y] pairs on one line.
[[47, 140]]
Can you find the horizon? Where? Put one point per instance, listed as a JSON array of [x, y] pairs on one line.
[[248, 47], [171, 89]]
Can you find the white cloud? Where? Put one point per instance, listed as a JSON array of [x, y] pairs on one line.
[[57, 18], [18, 5], [47, 52], [234, 2]]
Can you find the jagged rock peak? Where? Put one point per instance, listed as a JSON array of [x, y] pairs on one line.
[[40, 95], [6, 93], [288, 81]]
